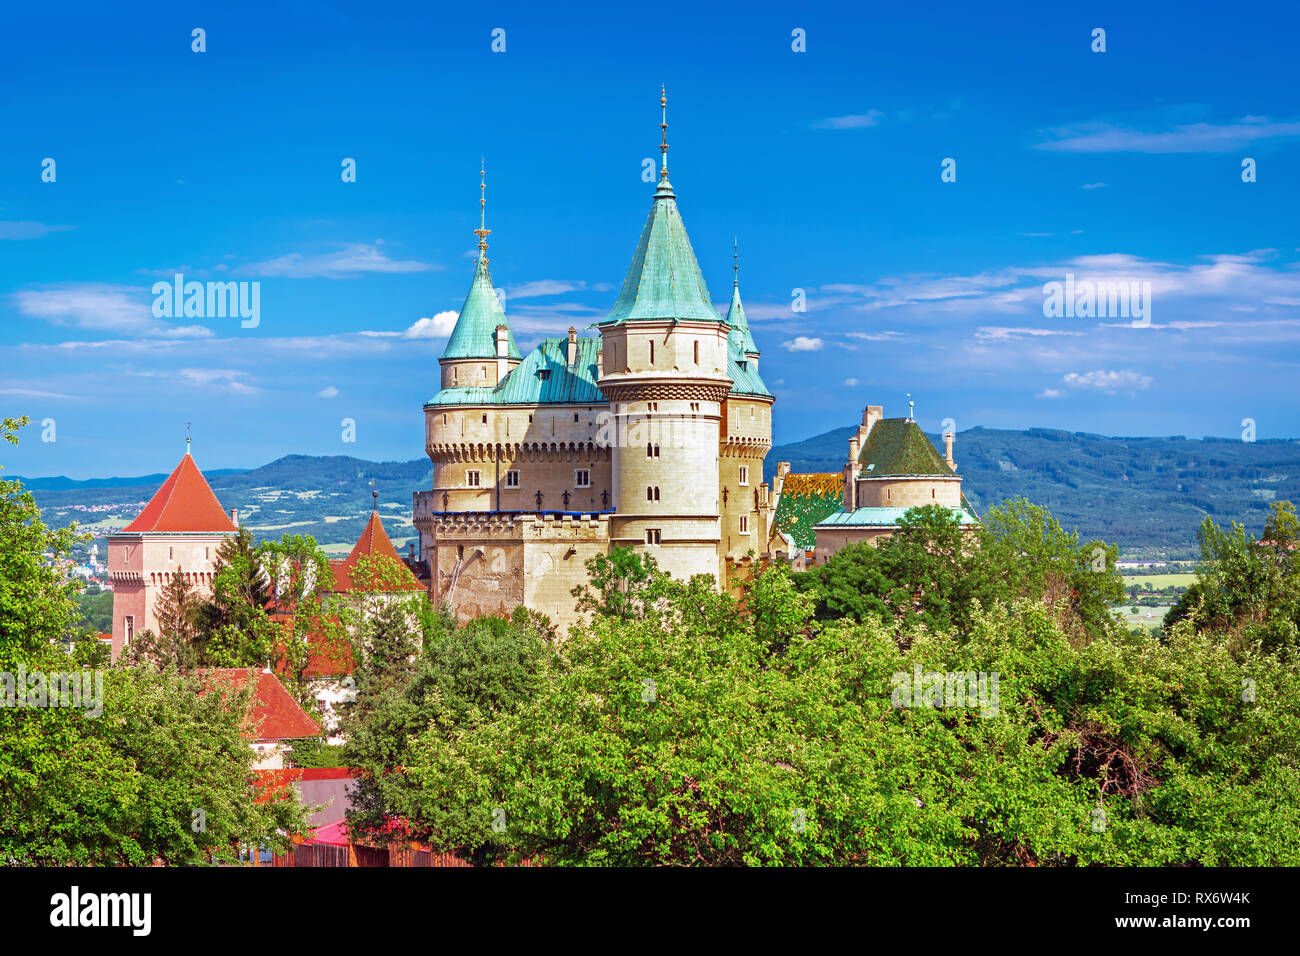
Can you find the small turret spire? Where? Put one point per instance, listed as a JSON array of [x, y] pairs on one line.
[[187, 438], [663, 125], [482, 231]]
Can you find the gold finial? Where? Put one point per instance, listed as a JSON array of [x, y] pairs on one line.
[[482, 231], [663, 125]]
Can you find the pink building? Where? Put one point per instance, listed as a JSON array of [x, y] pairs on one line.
[[179, 530]]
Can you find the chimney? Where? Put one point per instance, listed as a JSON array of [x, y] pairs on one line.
[[947, 450], [573, 346], [851, 472], [778, 483], [503, 351], [234, 517]]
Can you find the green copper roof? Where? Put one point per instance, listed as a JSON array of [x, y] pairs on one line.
[[664, 280], [543, 378], [475, 334], [739, 338], [879, 518], [897, 446], [744, 377]]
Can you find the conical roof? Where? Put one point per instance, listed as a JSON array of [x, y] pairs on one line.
[[664, 280], [475, 334], [897, 446], [374, 542], [184, 504], [740, 340]]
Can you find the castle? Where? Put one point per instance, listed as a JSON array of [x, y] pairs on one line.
[[650, 435]]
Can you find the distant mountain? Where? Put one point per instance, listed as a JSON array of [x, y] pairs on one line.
[[1138, 492], [64, 483]]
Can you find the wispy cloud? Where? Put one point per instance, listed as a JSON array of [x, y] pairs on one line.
[[852, 121], [1094, 185], [347, 263], [1100, 137], [1107, 380], [119, 310], [28, 230], [329, 391]]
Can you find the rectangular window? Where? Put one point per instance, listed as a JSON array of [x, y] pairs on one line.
[[512, 479], [744, 474], [581, 478], [652, 352], [744, 524], [129, 628], [484, 418], [444, 418], [697, 353], [652, 535], [206, 555], [471, 479], [171, 554], [482, 371]]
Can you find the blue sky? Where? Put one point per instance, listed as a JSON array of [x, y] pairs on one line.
[[225, 165]]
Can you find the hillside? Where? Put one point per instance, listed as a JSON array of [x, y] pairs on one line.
[[1139, 492]]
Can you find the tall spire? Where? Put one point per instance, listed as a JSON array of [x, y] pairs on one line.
[[482, 231], [187, 438], [663, 125], [735, 262], [474, 335]]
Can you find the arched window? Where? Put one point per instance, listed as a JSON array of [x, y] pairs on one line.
[[656, 493], [649, 494]]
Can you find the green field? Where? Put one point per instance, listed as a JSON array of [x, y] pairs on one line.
[[1157, 581]]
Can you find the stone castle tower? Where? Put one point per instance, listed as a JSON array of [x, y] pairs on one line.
[[650, 436], [179, 530]]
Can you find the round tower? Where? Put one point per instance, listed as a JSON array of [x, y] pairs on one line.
[[664, 373]]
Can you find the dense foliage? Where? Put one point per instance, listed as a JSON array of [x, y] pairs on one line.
[[143, 767], [680, 726]]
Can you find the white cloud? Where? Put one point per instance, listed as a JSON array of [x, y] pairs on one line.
[[346, 263], [1050, 393], [1094, 185], [1185, 138], [1007, 332], [1107, 380], [221, 379], [102, 308], [853, 121], [885, 336], [437, 327], [852, 382], [545, 287], [802, 343], [329, 391]]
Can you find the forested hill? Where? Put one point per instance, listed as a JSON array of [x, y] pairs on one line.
[[1139, 492]]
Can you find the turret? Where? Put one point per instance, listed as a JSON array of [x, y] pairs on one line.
[[664, 372], [480, 350]]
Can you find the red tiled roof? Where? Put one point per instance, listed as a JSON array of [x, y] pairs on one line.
[[184, 503], [272, 714], [372, 543]]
